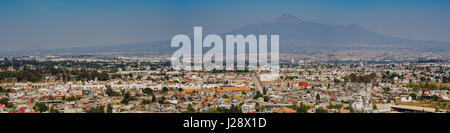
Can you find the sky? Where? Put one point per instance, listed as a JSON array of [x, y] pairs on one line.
[[51, 24]]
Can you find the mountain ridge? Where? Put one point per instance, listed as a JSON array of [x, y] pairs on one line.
[[294, 34]]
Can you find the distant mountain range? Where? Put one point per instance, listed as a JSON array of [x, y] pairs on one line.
[[294, 34]]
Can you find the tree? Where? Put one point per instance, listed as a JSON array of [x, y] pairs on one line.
[[36, 108], [434, 98], [147, 91], [127, 98], [233, 109], [71, 98], [145, 102], [321, 110], [165, 89], [266, 98], [413, 95], [257, 95], [109, 109], [4, 101], [130, 75], [162, 100], [53, 110], [317, 96], [350, 108], [139, 77], [335, 106], [103, 76], [111, 92], [302, 108], [41, 107], [153, 98], [190, 109], [386, 90], [2, 90], [338, 106], [98, 109]]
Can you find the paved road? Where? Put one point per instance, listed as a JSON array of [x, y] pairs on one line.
[[257, 82]]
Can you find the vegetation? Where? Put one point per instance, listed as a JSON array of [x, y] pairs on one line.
[[147, 91], [350, 108], [335, 106], [4, 90], [41, 107], [6, 102], [361, 78], [53, 110], [302, 108], [71, 98], [190, 109], [233, 109], [109, 109], [257, 95], [145, 102], [321, 110], [111, 92], [164, 89], [266, 98], [420, 86], [127, 98], [98, 109]]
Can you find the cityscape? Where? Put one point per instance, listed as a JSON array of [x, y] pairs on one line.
[[117, 56], [94, 84]]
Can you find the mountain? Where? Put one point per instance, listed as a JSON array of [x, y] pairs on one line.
[[295, 34], [287, 18]]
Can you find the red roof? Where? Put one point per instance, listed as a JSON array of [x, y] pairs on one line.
[[304, 84]]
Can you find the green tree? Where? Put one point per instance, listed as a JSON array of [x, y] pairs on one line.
[[162, 100], [386, 90], [4, 101], [165, 89], [153, 98], [145, 102], [139, 77], [111, 92], [2, 90], [434, 98], [53, 110], [266, 98], [190, 109], [257, 95], [321, 110], [302, 108], [41, 107], [147, 91], [350, 108], [127, 98], [71, 98], [98, 109], [413, 95], [109, 109]]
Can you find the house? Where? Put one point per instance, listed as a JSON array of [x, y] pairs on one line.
[[406, 99]]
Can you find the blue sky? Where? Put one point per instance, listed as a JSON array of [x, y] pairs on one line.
[[46, 24]]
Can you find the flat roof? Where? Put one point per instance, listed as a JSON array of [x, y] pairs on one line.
[[415, 108]]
